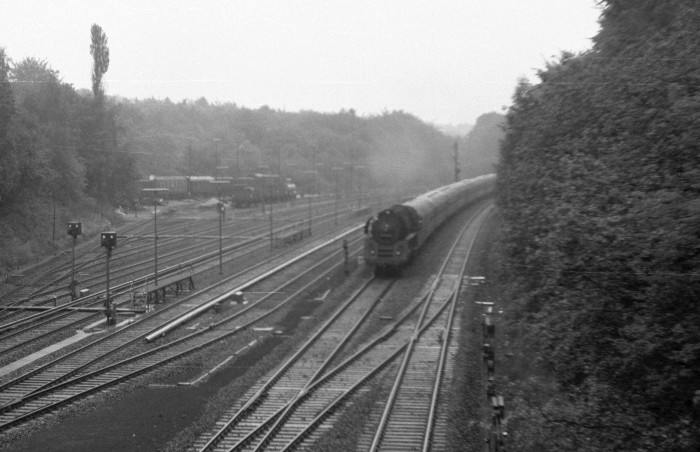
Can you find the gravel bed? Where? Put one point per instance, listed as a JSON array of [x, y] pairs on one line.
[[349, 427], [39, 345], [468, 409]]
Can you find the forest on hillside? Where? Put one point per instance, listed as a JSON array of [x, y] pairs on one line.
[[479, 149], [195, 137], [391, 149], [599, 190], [72, 154]]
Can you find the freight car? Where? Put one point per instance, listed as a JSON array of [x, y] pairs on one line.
[[242, 192], [271, 188], [181, 186], [394, 236], [239, 191]]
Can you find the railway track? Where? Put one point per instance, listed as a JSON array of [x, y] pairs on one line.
[[262, 266], [267, 401], [63, 382], [134, 256], [410, 414], [35, 327], [294, 405], [52, 278]]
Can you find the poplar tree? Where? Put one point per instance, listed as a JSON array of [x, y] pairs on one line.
[[100, 57]]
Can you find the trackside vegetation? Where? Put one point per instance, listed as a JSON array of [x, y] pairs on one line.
[[599, 191]]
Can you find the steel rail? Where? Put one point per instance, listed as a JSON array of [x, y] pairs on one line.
[[399, 348], [195, 312], [428, 434], [128, 285], [389, 406], [211, 329], [277, 375], [301, 435], [182, 302], [319, 381], [41, 292]]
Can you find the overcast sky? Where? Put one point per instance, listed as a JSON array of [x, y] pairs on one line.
[[445, 61]]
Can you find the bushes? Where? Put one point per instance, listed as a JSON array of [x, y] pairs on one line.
[[27, 231], [598, 189]]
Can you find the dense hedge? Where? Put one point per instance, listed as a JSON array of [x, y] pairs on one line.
[[599, 185]]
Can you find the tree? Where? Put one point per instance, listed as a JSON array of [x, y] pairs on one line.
[[6, 101], [100, 57], [598, 191], [9, 168], [46, 130], [107, 162], [479, 150]]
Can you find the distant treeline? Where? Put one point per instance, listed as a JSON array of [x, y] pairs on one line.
[[599, 189], [67, 154], [197, 137]]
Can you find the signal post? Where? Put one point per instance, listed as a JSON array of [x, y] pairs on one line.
[[221, 209], [109, 241], [74, 230]]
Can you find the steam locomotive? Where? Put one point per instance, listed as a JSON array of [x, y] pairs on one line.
[[394, 236], [238, 191]]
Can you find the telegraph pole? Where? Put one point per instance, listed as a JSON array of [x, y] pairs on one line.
[[456, 160], [216, 153], [272, 237], [336, 170], [155, 229], [189, 179]]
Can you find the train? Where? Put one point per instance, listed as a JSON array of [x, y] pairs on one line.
[[396, 234], [237, 191]]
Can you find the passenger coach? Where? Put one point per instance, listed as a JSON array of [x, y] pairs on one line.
[[394, 236]]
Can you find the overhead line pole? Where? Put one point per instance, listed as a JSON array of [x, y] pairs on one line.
[[155, 229]]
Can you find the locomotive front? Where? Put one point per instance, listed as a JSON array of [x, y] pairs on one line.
[[398, 233], [387, 244]]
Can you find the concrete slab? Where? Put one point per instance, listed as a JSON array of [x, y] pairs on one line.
[[79, 335]]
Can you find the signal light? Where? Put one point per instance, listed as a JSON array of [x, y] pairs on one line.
[[109, 239], [74, 228]]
